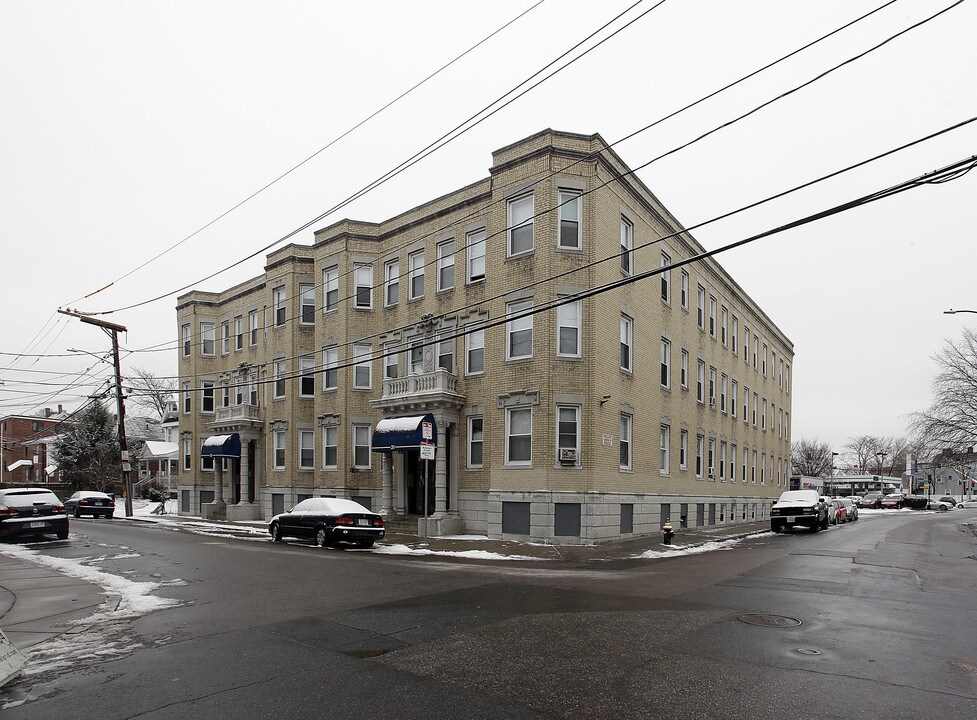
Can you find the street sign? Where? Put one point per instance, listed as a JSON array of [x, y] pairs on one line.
[[427, 451], [11, 661], [427, 431]]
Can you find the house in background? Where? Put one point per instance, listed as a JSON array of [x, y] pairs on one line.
[[25, 442]]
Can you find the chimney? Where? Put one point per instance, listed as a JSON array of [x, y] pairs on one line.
[[47, 412], [60, 408]]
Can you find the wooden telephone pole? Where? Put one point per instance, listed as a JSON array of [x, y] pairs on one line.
[[114, 330]]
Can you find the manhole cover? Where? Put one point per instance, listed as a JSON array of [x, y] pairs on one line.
[[808, 651], [778, 621]]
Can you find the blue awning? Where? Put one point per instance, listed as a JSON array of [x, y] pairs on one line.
[[222, 446], [404, 433]]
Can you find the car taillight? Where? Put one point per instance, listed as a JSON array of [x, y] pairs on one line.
[[84, 501], [5, 511], [378, 521], [344, 521], [57, 508]]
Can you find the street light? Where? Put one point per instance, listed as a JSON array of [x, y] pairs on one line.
[[881, 456]]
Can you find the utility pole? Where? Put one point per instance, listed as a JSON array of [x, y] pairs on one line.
[[114, 330]]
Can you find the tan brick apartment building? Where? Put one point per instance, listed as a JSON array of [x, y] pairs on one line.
[[665, 398]]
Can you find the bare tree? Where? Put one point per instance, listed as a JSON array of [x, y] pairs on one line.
[[148, 392], [950, 422], [860, 452], [811, 457]]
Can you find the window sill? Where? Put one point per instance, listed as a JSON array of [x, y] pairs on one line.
[[571, 250], [520, 255]]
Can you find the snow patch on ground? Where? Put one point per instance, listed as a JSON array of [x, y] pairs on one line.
[[473, 554], [679, 550]]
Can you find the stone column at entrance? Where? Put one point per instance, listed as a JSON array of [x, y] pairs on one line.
[[386, 466], [219, 480], [441, 474], [243, 480]]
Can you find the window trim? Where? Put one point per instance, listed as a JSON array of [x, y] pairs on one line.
[[307, 304], [577, 324], [665, 374], [511, 225], [330, 365], [415, 272], [627, 342], [514, 308], [472, 241], [361, 351], [664, 438], [567, 199], [368, 446], [303, 434], [330, 286], [470, 348], [577, 428], [326, 431], [391, 282], [279, 302], [509, 462], [360, 283], [626, 423], [445, 253], [306, 375], [472, 442], [627, 246], [279, 448]]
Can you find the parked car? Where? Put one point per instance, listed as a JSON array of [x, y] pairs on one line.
[[893, 500], [856, 500], [942, 504], [328, 520], [850, 507], [871, 500], [799, 507], [837, 513], [90, 502], [26, 512]]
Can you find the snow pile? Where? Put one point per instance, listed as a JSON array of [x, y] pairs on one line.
[[679, 550], [472, 554]]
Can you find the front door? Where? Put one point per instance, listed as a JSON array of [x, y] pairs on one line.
[[414, 483]]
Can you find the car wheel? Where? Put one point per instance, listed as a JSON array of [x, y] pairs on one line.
[[943, 508], [110, 516], [276, 532], [365, 543], [63, 534], [321, 537], [77, 513]]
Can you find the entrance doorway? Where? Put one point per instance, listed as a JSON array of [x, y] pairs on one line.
[[414, 483]]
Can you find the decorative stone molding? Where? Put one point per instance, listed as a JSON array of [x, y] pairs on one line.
[[329, 420], [278, 425], [518, 398]]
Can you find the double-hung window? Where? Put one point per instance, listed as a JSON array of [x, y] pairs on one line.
[[475, 352], [712, 316], [732, 462], [278, 295], [700, 446], [724, 325], [746, 344], [627, 246], [521, 210], [363, 370], [723, 382], [476, 440], [279, 372], [756, 348], [330, 447], [361, 446], [390, 357], [764, 361], [207, 397], [415, 274], [307, 303], [666, 363], [700, 382], [712, 387], [446, 265], [363, 287], [684, 288], [627, 343], [208, 339], [307, 449], [746, 463], [330, 289], [330, 372], [306, 376], [225, 337], [732, 398], [722, 460], [700, 307], [763, 414], [185, 333], [391, 282], [626, 458], [253, 389], [239, 333], [663, 448], [711, 459], [568, 434], [753, 470], [446, 352], [569, 220], [683, 449], [755, 403], [476, 255], [519, 331], [187, 399], [415, 357], [279, 447], [253, 330], [519, 436], [684, 371], [187, 445], [568, 329], [732, 339], [666, 278]]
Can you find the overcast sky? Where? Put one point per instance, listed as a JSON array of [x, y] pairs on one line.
[[126, 126]]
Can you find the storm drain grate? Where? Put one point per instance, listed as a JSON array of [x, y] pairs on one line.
[[776, 621]]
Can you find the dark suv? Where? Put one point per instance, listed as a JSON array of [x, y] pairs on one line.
[[31, 511], [799, 507]]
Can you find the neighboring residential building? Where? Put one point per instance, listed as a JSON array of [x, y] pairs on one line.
[[25, 442], [662, 399]]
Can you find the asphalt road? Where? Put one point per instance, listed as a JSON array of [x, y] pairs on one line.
[[873, 619]]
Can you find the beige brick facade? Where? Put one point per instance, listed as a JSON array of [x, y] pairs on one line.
[[588, 496]]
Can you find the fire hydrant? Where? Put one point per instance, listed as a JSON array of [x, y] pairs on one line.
[[667, 532]]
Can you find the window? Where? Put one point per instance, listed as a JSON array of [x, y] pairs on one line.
[[627, 246], [663, 447], [754, 408], [475, 352], [207, 398], [753, 469], [786, 425], [700, 307], [187, 458], [732, 462], [239, 333], [187, 402], [780, 382], [446, 265], [684, 373], [746, 344], [787, 379], [723, 382], [746, 404], [518, 436], [446, 352], [239, 394], [700, 382], [763, 366], [732, 399], [569, 220], [225, 338], [330, 448], [568, 434], [185, 334], [330, 289], [780, 423], [306, 449], [626, 459], [666, 278], [330, 373], [278, 295], [363, 370], [568, 329], [700, 446], [361, 446], [712, 316], [666, 363], [763, 414], [253, 320], [627, 338], [683, 449], [390, 355], [746, 462], [732, 339], [763, 468], [279, 449], [519, 331], [279, 372], [225, 395], [307, 303], [415, 360], [684, 283], [208, 339], [415, 274], [723, 323], [756, 347], [306, 376], [363, 287], [712, 387], [711, 459], [722, 460], [476, 255], [521, 224], [391, 282], [476, 440], [253, 389]]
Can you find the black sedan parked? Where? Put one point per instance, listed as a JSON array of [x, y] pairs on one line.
[[328, 520], [90, 502], [31, 511]]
